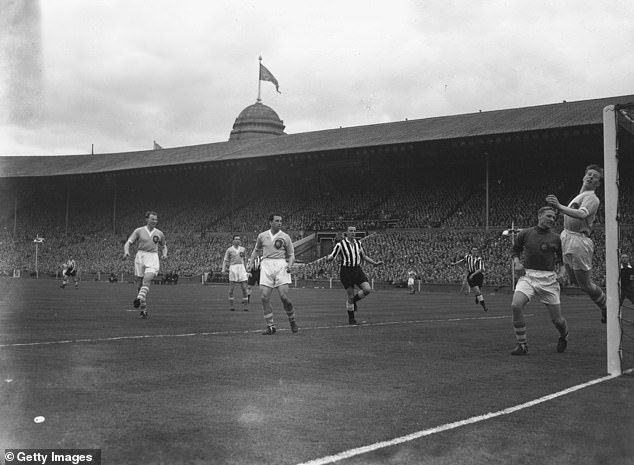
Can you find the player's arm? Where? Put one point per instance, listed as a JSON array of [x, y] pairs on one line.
[[579, 213], [290, 252], [164, 250], [459, 261], [335, 251], [225, 261], [131, 240], [256, 249], [370, 260], [516, 251]]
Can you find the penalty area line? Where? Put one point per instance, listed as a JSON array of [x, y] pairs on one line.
[[449, 426]]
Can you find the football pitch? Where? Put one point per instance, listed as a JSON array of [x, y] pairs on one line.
[[426, 379]]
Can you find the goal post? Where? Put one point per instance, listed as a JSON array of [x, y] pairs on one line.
[[610, 171], [618, 164]]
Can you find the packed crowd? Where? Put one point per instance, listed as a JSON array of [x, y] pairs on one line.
[[419, 225]]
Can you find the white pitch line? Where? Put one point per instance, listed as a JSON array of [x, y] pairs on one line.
[[226, 333], [448, 426]]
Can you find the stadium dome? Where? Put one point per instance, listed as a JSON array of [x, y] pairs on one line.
[[257, 121]]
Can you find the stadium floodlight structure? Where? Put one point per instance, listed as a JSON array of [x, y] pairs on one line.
[[618, 147], [37, 241]]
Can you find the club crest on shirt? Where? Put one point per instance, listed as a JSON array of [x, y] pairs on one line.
[[279, 243], [155, 239], [544, 247]]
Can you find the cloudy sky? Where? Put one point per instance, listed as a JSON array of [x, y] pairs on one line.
[[120, 74]]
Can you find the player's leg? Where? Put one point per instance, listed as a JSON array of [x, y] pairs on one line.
[[245, 296], [350, 305], [64, 280], [571, 274], [232, 285], [364, 290], [288, 306], [267, 309], [139, 272], [479, 298], [520, 299], [361, 280], [584, 279], [146, 281], [561, 324]]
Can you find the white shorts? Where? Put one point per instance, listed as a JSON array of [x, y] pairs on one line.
[[237, 273], [273, 273], [410, 282], [540, 284], [577, 250], [146, 262]]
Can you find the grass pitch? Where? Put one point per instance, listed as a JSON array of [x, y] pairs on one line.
[[197, 384]]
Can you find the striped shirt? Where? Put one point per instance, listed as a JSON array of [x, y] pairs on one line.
[[474, 263], [350, 251], [255, 263]]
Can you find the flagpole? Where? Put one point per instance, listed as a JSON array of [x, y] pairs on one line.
[[259, 81]]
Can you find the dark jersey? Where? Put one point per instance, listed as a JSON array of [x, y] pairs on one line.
[[541, 248]]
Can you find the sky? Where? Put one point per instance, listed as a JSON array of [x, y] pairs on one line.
[[116, 75]]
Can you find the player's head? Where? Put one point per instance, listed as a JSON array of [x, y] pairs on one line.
[[351, 231], [474, 250], [151, 217], [276, 221], [593, 175], [546, 217], [236, 239], [625, 258]]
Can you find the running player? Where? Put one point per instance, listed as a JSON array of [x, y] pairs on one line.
[[351, 253], [146, 262], [475, 274], [69, 270]]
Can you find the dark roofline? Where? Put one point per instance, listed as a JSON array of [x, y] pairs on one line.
[[487, 123]]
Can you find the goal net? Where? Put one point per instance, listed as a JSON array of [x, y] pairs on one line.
[[618, 144]]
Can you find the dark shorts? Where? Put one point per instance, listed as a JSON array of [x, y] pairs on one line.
[[254, 278], [352, 276], [70, 273], [477, 280]]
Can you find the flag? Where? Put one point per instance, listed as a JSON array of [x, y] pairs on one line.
[[157, 147], [266, 75]]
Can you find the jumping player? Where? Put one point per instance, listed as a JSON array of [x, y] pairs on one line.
[[146, 262], [578, 248]]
